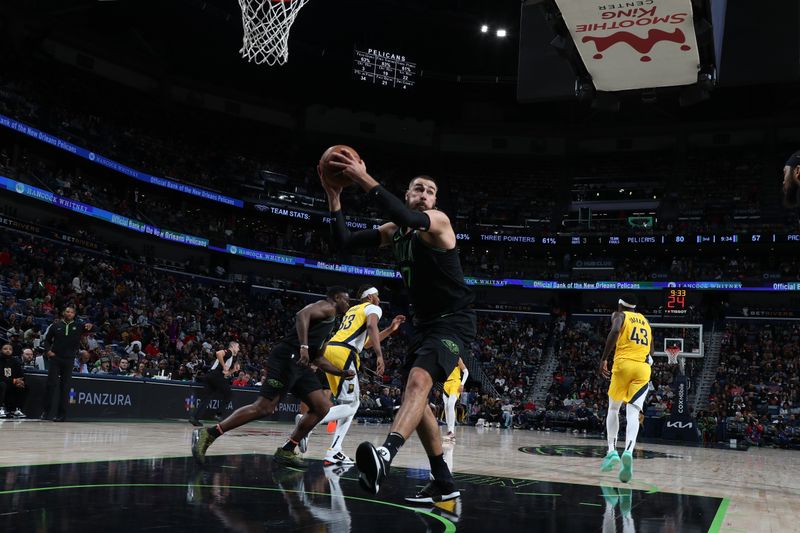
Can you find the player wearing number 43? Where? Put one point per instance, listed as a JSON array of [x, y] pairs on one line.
[[630, 339]]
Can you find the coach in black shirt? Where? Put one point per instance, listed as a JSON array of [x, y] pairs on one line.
[[62, 341]]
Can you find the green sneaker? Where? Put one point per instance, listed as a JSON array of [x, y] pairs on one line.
[[626, 472], [282, 457], [609, 461], [201, 440]]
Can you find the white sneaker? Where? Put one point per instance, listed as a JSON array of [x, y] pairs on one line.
[[2, 412], [337, 458], [19, 414], [450, 436]]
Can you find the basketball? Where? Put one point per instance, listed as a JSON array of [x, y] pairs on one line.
[[331, 174]]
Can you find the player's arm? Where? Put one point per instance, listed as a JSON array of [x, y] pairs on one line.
[[343, 238], [464, 374], [611, 341], [373, 333], [431, 221], [384, 334], [317, 311]]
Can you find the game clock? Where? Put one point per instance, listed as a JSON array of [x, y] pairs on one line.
[[676, 301]]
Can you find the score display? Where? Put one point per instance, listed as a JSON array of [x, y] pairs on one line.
[[386, 69]]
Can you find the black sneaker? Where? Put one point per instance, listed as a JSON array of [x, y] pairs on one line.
[[372, 465], [195, 422], [435, 492]]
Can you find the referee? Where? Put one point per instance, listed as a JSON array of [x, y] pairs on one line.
[[62, 340], [791, 180], [216, 382]]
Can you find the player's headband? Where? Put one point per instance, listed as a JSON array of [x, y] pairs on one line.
[[371, 290], [623, 303], [793, 160]]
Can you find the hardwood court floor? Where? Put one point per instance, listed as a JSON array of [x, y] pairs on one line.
[[509, 478]]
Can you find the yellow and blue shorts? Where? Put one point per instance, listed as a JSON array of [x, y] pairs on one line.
[[630, 381], [342, 356]]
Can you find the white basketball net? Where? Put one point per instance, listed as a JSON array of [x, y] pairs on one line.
[[672, 355], [266, 29]]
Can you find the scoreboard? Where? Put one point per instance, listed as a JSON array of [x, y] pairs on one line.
[[385, 69]]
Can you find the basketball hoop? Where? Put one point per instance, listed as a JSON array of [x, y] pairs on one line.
[[672, 355], [266, 25]]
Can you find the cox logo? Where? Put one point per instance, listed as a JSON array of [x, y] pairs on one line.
[[20, 188], [92, 156], [234, 249]]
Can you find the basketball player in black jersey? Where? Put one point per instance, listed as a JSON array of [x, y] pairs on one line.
[[288, 372], [424, 246], [216, 382]]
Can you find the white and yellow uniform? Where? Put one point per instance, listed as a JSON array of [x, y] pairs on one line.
[[630, 374], [453, 382], [345, 346]]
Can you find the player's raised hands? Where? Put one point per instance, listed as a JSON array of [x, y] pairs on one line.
[[349, 164], [330, 189]]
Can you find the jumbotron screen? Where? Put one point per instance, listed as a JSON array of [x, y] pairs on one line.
[[386, 69]]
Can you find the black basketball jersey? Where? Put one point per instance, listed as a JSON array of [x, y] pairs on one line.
[[433, 276], [318, 333]]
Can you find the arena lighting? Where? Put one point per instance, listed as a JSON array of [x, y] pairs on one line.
[[484, 28], [501, 33]]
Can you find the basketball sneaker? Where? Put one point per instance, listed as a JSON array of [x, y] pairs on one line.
[[18, 414], [336, 458], [626, 471], [373, 466], [2, 412], [201, 440], [609, 461], [450, 436], [434, 492], [287, 458], [195, 422]]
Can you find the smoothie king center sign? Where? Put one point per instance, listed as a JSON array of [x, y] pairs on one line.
[[636, 44]]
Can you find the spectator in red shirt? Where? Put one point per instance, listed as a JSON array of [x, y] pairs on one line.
[[242, 381], [151, 349]]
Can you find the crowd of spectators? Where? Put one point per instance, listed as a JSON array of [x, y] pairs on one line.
[[756, 392], [149, 323]]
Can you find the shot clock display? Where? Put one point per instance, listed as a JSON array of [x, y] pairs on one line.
[[676, 301]]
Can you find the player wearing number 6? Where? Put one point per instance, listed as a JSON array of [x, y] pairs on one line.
[[630, 339]]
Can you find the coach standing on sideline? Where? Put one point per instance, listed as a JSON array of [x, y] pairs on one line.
[[61, 341], [791, 180]]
